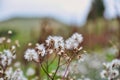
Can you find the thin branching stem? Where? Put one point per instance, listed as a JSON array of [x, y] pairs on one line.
[[66, 71], [57, 67], [68, 67], [45, 71], [47, 66], [52, 60]]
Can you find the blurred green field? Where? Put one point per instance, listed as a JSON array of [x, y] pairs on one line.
[[32, 30], [28, 29]]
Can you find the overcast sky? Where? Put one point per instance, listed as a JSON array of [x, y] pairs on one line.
[[67, 11]]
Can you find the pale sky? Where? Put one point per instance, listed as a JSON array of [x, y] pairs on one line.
[[67, 11]]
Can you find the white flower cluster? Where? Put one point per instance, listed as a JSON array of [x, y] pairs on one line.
[[7, 54], [31, 54], [53, 44], [73, 41], [41, 49], [6, 58], [57, 42], [111, 71], [14, 75], [6, 72]]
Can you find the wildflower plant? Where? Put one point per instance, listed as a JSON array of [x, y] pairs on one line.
[[112, 70], [56, 49], [7, 55]]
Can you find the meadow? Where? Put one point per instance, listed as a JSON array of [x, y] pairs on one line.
[[100, 45]]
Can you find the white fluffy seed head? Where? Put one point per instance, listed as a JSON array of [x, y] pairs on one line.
[[114, 73], [6, 57], [74, 41], [58, 41], [112, 69], [18, 75], [103, 74], [31, 54], [41, 49]]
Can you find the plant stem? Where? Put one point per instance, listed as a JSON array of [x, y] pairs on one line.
[[47, 67], [57, 68], [66, 71], [45, 71], [68, 67]]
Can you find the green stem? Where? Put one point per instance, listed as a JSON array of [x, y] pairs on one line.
[[57, 68], [45, 71]]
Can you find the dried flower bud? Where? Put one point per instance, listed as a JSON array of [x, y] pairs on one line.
[[9, 32], [17, 43], [29, 44], [8, 40]]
